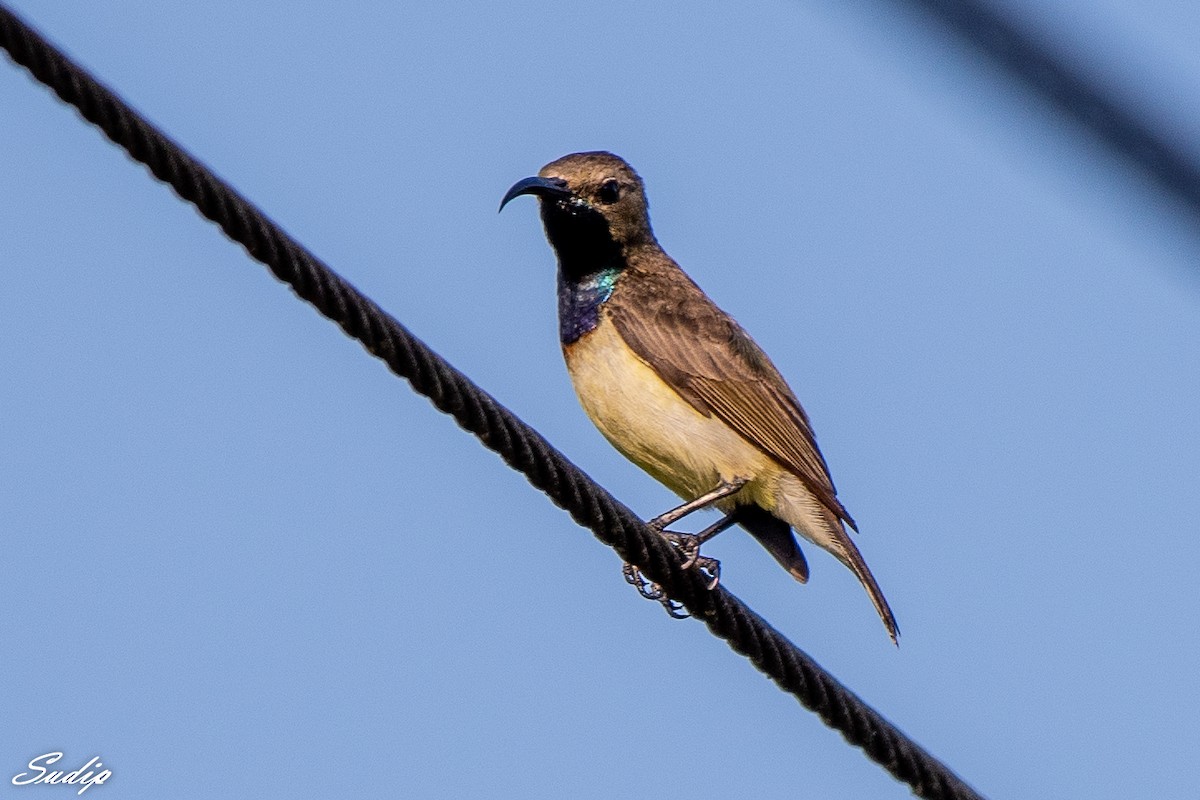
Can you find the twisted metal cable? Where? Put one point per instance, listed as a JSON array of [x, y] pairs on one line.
[[476, 411]]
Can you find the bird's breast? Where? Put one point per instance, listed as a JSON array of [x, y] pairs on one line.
[[653, 426]]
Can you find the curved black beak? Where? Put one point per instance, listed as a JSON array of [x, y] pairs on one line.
[[552, 188]]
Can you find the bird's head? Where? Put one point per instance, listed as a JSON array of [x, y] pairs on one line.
[[593, 206]]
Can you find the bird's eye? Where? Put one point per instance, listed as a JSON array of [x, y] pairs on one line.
[[609, 192]]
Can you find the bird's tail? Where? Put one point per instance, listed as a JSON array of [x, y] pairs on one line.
[[848, 554], [823, 527], [776, 536]]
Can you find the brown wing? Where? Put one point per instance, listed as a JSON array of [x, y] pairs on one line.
[[715, 365]]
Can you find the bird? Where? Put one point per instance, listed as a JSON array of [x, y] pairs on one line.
[[676, 385]]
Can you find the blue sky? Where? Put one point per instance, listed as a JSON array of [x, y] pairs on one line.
[[240, 557]]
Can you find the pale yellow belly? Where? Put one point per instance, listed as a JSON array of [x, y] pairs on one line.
[[658, 430]]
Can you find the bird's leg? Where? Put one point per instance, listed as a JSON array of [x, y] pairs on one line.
[[723, 490], [689, 545]]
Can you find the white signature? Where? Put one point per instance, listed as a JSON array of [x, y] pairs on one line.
[[86, 777]]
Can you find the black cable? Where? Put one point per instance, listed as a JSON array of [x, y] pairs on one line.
[[452, 392], [1031, 63]]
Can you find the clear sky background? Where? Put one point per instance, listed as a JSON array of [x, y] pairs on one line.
[[240, 558]]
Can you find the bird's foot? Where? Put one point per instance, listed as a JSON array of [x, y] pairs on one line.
[[689, 545], [711, 568], [686, 543], [647, 589], [652, 591]]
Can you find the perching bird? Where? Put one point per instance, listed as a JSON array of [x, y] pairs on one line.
[[674, 383]]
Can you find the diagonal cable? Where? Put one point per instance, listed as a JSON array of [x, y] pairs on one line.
[[476, 411], [1032, 62]]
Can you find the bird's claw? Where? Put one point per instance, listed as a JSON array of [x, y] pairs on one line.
[[686, 543], [652, 591], [689, 545], [647, 589], [709, 567]]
